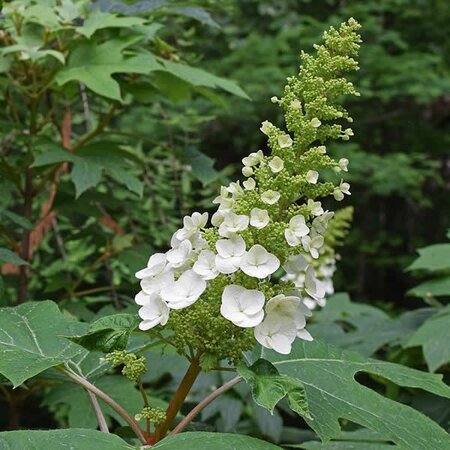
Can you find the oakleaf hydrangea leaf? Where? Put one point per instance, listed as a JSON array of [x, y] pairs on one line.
[[434, 338], [432, 258], [328, 375], [269, 387], [108, 333], [75, 439], [213, 441], [10, 257], [31, 339], [94, 65], [98, 20]]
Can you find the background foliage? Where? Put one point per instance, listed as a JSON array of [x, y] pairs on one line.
[[113, 129]]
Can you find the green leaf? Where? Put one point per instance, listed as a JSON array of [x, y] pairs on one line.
[[213, 441], [85, 174], [108, 333], [199, 77], [10, 257], [202, 165], [5, 63], [328, 375], [31, 339], [75, 439], [351, 440], [94, 65], [432, 258], [93, 158], [53, 155], [43, 15], [89, 163], [195, 13], [16, 219], [370, 328], [269, 387], [434, 338], [439, 287], [98, 20], [133, 183]]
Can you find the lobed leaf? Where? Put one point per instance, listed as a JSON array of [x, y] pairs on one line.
[[213, 441], [31, 339], [108, 333], [432, 258], [434, 338], [10, 257], [269, 387], [75, 439], [328, 375]]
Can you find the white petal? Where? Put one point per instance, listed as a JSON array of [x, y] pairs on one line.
[[251, 301], [303, 334], [227, 265], [291, 238], [155, 265], [234, 246]]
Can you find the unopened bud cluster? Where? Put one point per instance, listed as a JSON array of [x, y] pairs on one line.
[[133, 365], [223, 286], [154, 415]]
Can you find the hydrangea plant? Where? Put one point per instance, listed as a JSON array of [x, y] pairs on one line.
[[250, 274]]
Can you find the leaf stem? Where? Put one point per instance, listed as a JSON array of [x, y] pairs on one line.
[[98, 412], [108, 400], [145, 399], [204, 403]]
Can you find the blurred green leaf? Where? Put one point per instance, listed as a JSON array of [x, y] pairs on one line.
[[438, 287], [94, 65], [434, 338], [202, 165], [98, 20], [432, 258], [10, 257], [199, 77]]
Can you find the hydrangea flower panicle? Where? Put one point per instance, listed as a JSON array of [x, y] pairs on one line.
[[218, 287]]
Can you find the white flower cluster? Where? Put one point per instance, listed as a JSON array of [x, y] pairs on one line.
[[270, 223], [177, 278]]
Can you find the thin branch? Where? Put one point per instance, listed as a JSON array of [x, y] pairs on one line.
[[204, 403], [146, 405], [98, 412], [108, 400]]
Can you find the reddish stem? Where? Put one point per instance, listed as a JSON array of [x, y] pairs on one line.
[[178, 399]]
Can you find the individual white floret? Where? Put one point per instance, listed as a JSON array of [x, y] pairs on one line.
[[185, 291], [230, 253], [205, 266], [270, 197], [284, 141], [276, 164], [243, 307], [156, 264], [180, 255], [259, 263], [154, 312], [296, 229], [233, 223], [277, 333]]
